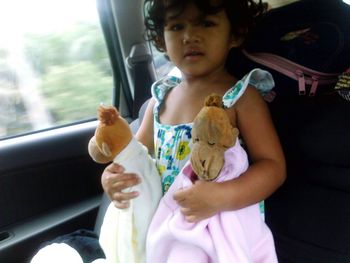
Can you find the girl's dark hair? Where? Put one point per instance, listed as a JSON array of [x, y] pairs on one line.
[[241, 14]]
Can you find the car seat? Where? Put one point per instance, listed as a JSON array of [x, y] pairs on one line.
[[310, 214]]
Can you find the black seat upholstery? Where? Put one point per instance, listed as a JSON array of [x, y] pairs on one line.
[[310, 214]]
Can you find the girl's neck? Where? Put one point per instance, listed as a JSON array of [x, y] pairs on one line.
[[203, 82]]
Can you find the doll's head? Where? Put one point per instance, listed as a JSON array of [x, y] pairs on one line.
[[112, 135], [212, 135], [240, 13]]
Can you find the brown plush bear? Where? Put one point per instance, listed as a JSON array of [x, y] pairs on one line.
[[212, 135], [123, 231]]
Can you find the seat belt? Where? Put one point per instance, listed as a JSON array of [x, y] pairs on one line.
[[140, 63]]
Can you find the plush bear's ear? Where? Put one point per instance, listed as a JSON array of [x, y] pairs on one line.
[[229, 136], [213, 100], [107, 115], [235, 133], [95, 152], [106, 151]]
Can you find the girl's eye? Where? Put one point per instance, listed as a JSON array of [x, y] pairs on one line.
[[196, 140], [176, 27], [207, 23]]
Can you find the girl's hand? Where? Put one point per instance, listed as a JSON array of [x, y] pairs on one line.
[[199, 201], [114, 181]]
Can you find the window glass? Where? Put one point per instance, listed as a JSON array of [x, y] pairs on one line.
[[54, 66], [163, 65]]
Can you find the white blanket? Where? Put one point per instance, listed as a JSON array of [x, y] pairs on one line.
[[123, 232]]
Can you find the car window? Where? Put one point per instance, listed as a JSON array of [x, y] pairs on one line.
[[163, 65], [54, 65]]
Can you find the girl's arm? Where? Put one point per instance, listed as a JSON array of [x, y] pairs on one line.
[[262, 178], [145, 132], [267, 171], [114, 179]]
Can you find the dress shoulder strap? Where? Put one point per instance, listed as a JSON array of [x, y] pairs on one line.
[[260, 79], [161, 87], [159, 90]]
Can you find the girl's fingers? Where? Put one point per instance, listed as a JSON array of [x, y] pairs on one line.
[[189, 216], [125, 181], [119, 180], [124, 197], [191, 219], [185, 211], [121, 205], [180, 195], [115, 168], [115, 182]]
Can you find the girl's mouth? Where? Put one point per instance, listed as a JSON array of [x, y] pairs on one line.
[[193, 54]]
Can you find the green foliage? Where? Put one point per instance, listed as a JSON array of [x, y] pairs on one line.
[[74, 92], [81, 42], [75, 71]]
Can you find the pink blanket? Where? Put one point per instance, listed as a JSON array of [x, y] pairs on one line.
[[233, 236]]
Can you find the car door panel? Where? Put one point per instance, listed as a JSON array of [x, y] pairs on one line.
[[49, 186]]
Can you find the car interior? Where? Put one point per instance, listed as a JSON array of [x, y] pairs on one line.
[[49, 185]]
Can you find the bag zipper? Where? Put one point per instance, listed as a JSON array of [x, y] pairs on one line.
[[304, 76]]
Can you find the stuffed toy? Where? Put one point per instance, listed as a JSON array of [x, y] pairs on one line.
[[123, 232], [230, 236], [76, 247], [112, 135]]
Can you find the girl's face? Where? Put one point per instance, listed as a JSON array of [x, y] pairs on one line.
[[198, 44]]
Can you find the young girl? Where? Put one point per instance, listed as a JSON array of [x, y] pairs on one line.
[[197, 37]]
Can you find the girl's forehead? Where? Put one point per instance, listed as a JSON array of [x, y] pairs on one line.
[[173, 12], [176, 9], [188, 11], [169, 3]]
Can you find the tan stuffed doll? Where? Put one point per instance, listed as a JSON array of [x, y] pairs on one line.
[[229, 236], [112, 135], [123, 232]]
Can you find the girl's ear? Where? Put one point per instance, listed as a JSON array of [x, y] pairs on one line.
[[238, 37], [236, 41], [160, 44]]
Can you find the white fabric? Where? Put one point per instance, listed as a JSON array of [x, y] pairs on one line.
[[99, 260], [57, 253], [123, 231]]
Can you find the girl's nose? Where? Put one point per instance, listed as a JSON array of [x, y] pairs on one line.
[[191, 36]]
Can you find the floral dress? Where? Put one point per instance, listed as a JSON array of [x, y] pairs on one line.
[[173, 143]]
